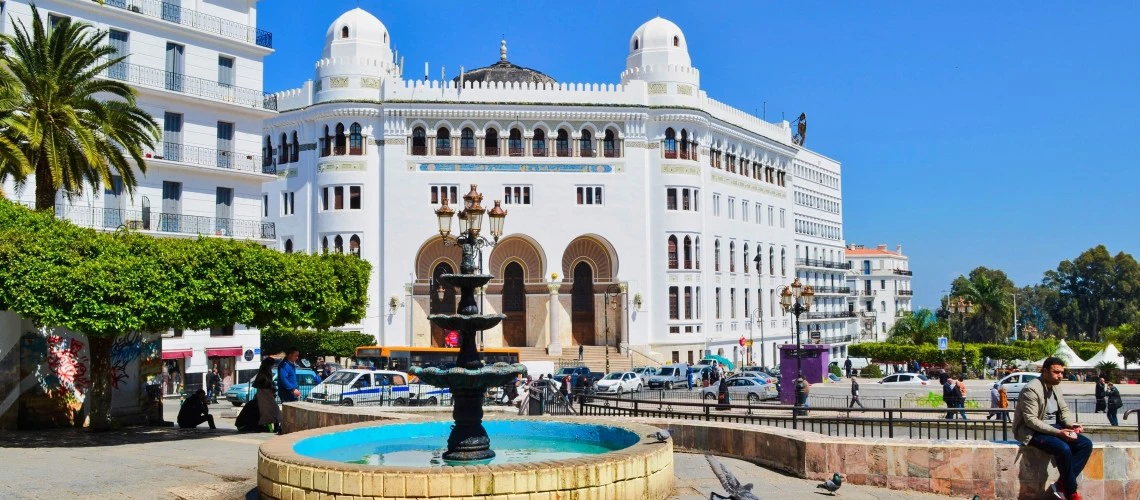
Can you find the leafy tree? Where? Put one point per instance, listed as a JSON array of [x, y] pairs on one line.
[[990, 292], [1034, 304], [919, 327], [314, 343], [75, 128], [1095, 291], [871, 371]]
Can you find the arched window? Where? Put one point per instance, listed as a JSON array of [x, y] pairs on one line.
[[491, 143], [636, 43], [745, 261], [697, 251], [338, 244], [586, 144], [289, 246], [670, 143], [354, 245], [772, 301], [467, 142], [515, 143], [267, 152], [688, 302], [344, 32], [672, 252], [326, 143], [609, 144], [732, 256], [759, 261], [772, 260], [676, 41], [283, 154], [538, 143], [688, 253], [443, 142], [339, 143], [783, 262], [325, 244], [419, 141], [355, 140], [295, 151], [440, 305], [716, 255], [562, 143], [684, 144]]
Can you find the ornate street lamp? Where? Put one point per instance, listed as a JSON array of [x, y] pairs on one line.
[[612, 297], [796, 299], [961, 307]]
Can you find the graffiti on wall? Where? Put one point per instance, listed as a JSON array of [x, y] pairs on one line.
[[65, 360], [124, 350]]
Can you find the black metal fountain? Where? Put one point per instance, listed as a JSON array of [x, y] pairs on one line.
[[469, 380]]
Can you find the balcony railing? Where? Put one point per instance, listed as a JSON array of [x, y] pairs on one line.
[[206, 157], [515, 151], [833, 289], [443, 150], [419, 150], [906, 292], [147, 220], [828, 315], [903, 272], [823, 263], [192, 85], [466, 151], [194, 19], [491, 151]]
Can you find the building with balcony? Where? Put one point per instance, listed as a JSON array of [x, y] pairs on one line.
[[880, 288], [197, 67], [642, 213]]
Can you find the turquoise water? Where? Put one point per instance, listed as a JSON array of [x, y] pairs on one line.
[[421, 444]]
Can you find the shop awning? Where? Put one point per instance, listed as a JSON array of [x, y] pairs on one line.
[[222, 352], [177, 354]]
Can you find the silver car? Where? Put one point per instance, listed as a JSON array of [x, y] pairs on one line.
[[1014, 382], [741, 388], [669, 377]]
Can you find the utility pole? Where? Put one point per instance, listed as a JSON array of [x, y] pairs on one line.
[[1014, 317]]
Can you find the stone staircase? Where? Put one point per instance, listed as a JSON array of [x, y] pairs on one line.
[[593, 357]]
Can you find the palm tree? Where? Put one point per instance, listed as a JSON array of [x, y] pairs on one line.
[[992, 316], [919, 327], [13, 163], [75, 128]]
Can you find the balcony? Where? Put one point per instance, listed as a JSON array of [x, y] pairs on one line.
[[491, 151], [839, 290], [823, 264], [515, 151], [197, 20], [906, 293], [191, 85], [903, 272], [147, 220], [206, 157], [828, 315]]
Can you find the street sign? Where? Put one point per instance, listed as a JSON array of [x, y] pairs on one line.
[[743, 342], [815, 336], [748, 344], [943, 343]]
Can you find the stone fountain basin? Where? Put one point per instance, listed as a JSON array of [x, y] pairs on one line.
[[641, 470], [462, 378], [463, 322]]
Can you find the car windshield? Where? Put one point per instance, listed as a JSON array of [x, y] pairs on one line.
[[923, 378], [340, 378], [667, 371], [566, 371], [613, 376]]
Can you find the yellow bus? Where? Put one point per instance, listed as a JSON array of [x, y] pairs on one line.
[[402, 357]]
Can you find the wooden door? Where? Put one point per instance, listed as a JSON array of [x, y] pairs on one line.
[[514, 306], [446, 305], [582, 305]]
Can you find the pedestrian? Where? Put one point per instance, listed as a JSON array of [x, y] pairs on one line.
[[995, 401], [567, 391], [689, 376], [194, 411], [847, 366], [1100, 402], [287, 388], [951, 394], [214, 384], [1112, 394], [855, 394], [705, 377], [1070, 449], [269, 415], [581, 352], [723, 398]]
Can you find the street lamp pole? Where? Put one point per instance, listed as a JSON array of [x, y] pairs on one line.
[[961, 307], [613, 296], [796, 299]]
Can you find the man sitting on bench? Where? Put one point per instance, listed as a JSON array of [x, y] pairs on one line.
[[1063, 441]]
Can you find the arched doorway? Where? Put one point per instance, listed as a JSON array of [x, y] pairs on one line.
[[446, 305], [582, 304], [514, 306]]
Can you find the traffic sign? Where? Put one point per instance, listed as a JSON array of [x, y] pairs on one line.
[[943, 343], [742, 342], [815, 335]]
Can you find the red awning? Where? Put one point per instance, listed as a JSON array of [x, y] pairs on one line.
[[177, 354], [222, 352]]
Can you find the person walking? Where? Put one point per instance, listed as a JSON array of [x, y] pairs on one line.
[[1100, 394], [194, 411], [1064, 441], [689, 376], [855, 394], [269, 415], [567, 391], [847, 366], [214, 384], [995, 401], [581, 352], [1113, 402], [287, 387]]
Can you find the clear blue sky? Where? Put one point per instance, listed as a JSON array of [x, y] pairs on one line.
[[974, 133]]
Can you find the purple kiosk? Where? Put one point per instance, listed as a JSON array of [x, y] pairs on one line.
[[813, 360]]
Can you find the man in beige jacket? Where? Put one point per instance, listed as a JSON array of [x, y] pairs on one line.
[[1064, 441]]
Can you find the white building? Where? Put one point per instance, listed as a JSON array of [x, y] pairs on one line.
[[636, 209], [197, 66], [880, 285], [818, 198]]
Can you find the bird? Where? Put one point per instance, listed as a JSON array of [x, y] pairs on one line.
[[661, 436], [832, 484]]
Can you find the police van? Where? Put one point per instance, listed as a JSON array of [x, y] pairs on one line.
[[349, 387]]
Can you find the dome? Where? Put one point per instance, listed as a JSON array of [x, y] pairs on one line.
[[356, 28], [505, 71], [658, 33], [658, 52]]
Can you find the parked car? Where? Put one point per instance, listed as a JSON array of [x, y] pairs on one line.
[[904, 379], [1014, 382], [351, 387], [619, 383], [669, 376], [755, 374], [240, 394], [752, 389], [645, 372], [574, 372]]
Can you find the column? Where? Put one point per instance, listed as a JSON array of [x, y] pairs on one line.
[[409, 307], [623, 334], [554, 342]]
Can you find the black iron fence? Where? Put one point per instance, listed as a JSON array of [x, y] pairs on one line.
[[194, 19], [197, 155], [192, 85], [829, 315], [147, 220], [826, 264]]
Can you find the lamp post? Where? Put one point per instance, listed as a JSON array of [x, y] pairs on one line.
[[612, 297], [961, 307], [796, 299]]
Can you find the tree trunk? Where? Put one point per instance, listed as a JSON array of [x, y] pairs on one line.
[[100, 394], [45, 187]]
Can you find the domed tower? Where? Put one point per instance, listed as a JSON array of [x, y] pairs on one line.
[[658, 52], [357, 58]]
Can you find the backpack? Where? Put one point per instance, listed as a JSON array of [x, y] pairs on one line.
[[962, 388]]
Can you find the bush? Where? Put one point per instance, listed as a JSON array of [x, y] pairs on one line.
[[871, 371], [834, 369]]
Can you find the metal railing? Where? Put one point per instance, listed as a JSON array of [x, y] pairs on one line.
[[147, 220], [829, 315], [832, 289], [197, 155], [906, 292], [826, 264], [191, 85], [194, 19], [903, 272]]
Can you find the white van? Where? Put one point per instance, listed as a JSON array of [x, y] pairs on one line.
[[355, 386]]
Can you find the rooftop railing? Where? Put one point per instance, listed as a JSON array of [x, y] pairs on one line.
[[191, 85], [197, 20]]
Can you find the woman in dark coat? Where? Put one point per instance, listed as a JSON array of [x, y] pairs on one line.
[[1100, 395]]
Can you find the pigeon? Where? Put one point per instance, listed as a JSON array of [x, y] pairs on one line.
[[661, 436], [832, 484]]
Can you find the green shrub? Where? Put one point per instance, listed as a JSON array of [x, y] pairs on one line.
[[834, 369], [871, 371]]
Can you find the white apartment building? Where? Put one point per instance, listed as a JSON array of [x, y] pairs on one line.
[[820, 261], [197, 66], [637, 209], [880, 287]]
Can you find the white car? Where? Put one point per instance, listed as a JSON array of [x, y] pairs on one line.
[[740, 388], [1014, 382], [351, 387], [620, 382], [905, 379]]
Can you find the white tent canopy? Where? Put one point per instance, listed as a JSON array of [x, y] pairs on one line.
[[1072, 361], [1111, 354]]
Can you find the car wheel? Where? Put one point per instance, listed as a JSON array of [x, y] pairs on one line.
[[709, 396], [753, 397], [400, 402], [346, 402], [236, 403], [432, 401], [669, 385]]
